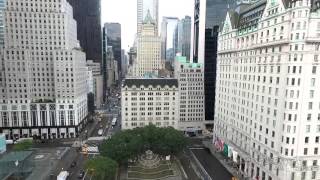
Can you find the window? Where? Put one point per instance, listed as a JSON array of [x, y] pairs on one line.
[[305, 151], [309, 117], [310, 105], [313, 81], [306, 140], [315, 151], [314, 69], [311, 94], [303, 175], [307, 128], [313, 175]]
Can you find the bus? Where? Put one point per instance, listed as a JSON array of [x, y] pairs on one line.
[[114, 121]]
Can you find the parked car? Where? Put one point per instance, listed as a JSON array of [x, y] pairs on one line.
[[100, 132], [73, 164], [81, 174]]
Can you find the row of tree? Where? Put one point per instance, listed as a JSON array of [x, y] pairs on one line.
[[130, 144]]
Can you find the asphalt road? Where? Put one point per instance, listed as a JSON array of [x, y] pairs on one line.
[[212, 165]]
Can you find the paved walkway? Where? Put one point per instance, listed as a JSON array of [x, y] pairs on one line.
[[222, 159]]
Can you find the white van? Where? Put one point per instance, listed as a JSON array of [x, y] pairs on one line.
[[63, 175]]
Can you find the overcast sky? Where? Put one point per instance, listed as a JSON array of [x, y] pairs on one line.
[[124, 12]]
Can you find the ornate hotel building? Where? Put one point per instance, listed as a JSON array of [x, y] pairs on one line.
[[43, 71], [149, 101], [267, 111], [148, 59]]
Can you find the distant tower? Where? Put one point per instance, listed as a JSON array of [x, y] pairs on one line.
[[142, 8], [148, 50], [2, 7]]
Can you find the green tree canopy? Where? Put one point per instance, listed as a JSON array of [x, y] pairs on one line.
[[101, 168], [23, 145], [129, 144]]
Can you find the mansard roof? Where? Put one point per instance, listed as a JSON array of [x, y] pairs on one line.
[[162, 82]]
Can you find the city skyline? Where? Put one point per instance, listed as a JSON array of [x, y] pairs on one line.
[[111, 11]]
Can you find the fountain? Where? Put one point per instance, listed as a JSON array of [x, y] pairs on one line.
[[149, 160]]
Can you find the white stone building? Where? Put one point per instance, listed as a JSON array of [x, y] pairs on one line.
[[149, 101], [148, 51], [97, 84], [267, 90], [43, 81], [191, 95]]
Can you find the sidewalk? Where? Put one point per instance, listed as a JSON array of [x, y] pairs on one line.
[[222, 159]]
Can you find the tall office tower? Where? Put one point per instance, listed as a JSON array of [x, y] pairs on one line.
[[267, 99], [143, 6], [209, 15], [112, 69], [149, 101], [191, 95], [167, 34], [124, 63], [2, 8], [88, 17], [45, 72], [113, 33], [183, 32], [97, 82], [148, 60]]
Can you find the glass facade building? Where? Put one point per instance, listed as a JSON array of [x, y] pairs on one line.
[[2, 7]]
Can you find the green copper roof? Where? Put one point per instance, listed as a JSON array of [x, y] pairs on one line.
[[183, 60], [148, 19]]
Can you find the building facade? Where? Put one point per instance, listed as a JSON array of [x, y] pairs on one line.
[[267, 103], [183, 32], [168, 27], [143, 6], [2, 8], [148, 59], [88, 17], [191, 95], [209, 15], [44, 82], [149, 101], [97, 82], [124, 63], [113, 35]]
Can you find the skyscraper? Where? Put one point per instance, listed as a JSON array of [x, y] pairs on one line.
[[183, 33], [267, 95], [113, 34], [44, 93], [143, 6], [191, 95], [209, 14], [168, 27], [2, 8], [88, 16], [148, 59]]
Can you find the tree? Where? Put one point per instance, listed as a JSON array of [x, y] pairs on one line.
[[102, 168], [23, 145], [122, 146], [129, 144]]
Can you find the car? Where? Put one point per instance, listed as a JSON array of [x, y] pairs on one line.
[[81, 174], [73, 164], [100, 132]]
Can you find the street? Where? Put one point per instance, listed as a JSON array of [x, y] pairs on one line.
[[211, 164], [102, 122]]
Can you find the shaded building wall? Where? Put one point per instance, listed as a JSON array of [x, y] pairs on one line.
[[113, 35], [87, 14], [216, 11]]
